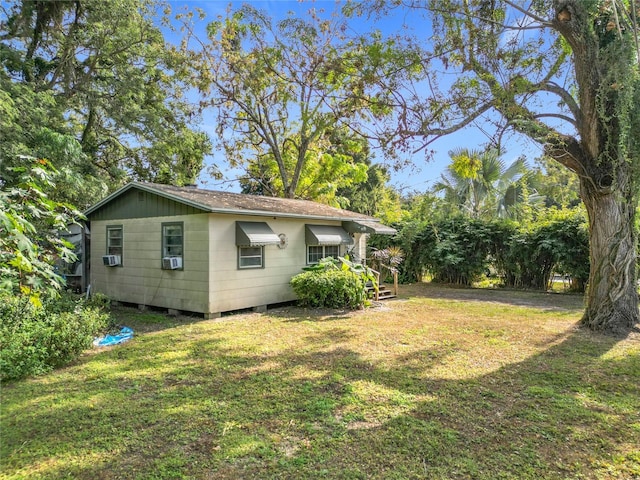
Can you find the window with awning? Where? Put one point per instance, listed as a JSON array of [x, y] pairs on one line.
[[255, 234], [327, 235]]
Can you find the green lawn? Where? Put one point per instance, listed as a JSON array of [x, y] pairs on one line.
[[439, 384]]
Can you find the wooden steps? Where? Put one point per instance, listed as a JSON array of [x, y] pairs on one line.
[[384, 293]]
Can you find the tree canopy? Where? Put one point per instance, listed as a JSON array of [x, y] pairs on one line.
[[98, 78], [283, 91]]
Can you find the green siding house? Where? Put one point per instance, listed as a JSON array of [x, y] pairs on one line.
[[194, 250]]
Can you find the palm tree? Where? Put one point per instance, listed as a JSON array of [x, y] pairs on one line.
[[480, 184]]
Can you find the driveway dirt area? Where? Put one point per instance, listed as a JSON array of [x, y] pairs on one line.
[[562, 301]]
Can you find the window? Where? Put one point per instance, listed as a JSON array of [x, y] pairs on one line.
[[325, 241], [332, 251], [314, 253], [115, 240], [317, 252], [172, 239], [250, 257]]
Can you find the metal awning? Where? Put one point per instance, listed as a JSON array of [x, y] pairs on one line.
[[255, 234], [368, 226], [327, 235]]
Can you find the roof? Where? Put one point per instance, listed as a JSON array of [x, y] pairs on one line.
[[237, 203]]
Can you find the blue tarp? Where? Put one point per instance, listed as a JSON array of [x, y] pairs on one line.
[[125, 334]]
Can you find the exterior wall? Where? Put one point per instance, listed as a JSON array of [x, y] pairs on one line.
[[210, 281], [141, 279], [234, 289]]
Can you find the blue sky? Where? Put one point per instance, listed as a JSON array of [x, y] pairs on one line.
[[416, 178]]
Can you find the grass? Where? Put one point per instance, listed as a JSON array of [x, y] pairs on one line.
[[440, 384]]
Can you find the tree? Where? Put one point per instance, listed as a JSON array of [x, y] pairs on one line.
[[480, 184], [332, 163], [564, 73], [370, 195], [30, 224], [100, 73], [373, 197], [280, 90]]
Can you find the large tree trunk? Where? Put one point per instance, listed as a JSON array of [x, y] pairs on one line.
[[612, 298], [603, 65]]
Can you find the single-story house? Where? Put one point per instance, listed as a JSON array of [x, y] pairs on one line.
[[195, 250]]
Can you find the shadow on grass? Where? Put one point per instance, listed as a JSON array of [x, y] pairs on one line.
[[296, 314], [190, 403]]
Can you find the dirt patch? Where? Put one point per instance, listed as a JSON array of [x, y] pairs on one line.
[[562, 301]]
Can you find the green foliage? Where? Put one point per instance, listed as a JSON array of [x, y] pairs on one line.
[[456, 250], [558, 243], [99, 300], [287, 94], [323, 172], [559, 186], [461, 250], [412, 269], [30, 223], [334, 283], [98, 75], [479, 184], [36, 339], [373, 197], [330, 289]]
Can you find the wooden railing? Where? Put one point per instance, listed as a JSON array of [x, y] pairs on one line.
[[376, 287]]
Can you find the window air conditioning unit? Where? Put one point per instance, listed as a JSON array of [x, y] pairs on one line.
[[171, 263], [111, 260]]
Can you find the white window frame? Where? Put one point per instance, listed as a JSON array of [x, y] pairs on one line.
[[165, 244], [243, 255], [324, 254], [115, 249]]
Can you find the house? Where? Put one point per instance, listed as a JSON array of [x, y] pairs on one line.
[[195, 250]]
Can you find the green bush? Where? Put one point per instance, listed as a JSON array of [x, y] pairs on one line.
[[330, 288], [36, 339], [558, 243], [461, 250], [453, 250]]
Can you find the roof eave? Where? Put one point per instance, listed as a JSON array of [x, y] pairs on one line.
[[206, 208], [265, 213]]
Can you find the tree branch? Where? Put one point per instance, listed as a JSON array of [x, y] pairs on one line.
[[526, 12], [557, 115], [457, 126], [567, 98]]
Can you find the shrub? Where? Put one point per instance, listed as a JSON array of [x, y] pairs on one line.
[[558, 243], [461, 250], [456, 250], [330, 288], [36, 339]]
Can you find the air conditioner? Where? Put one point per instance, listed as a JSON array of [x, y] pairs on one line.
[[171, 263], [111, 260]]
